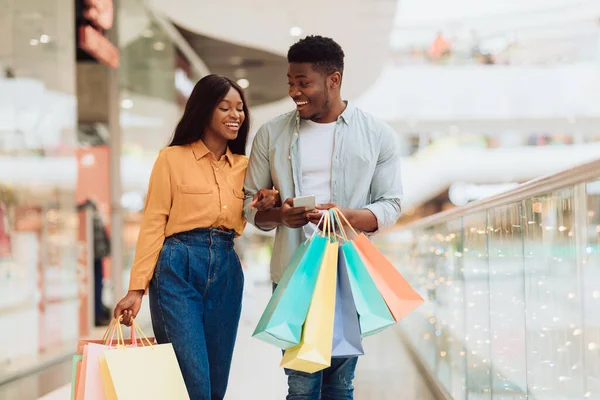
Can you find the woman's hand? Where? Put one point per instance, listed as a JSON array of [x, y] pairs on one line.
[[266, 199], [129, 307]]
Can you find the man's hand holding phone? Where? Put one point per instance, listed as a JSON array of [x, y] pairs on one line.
[[294, 211]]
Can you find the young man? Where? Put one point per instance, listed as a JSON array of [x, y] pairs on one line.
[[330, 149]]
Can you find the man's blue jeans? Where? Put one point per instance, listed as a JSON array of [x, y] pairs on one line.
[[195, 302], [333, 383]]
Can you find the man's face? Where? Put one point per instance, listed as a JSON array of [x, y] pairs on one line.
[[309, 90]]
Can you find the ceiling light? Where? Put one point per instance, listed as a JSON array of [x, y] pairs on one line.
[[127, 104], [235, 60], [244, 83], [45, 39], [34, 42], [240, 73], [295, 31]]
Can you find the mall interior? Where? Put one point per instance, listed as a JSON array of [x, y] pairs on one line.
[[496, 108]]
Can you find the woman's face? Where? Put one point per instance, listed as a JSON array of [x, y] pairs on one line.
[[228, 116]]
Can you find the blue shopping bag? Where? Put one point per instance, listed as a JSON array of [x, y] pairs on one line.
[[282, 320], [347, 341]]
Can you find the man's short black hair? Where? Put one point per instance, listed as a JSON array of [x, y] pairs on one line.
[[324, 53]]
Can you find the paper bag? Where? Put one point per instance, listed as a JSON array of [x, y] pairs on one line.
[[282, 321], [347, 341], [314, 351]]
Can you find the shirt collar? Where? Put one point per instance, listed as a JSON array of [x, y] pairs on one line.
[[348, 113], [345, 116], [200, 151]]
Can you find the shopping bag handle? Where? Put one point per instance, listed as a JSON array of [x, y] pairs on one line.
[[338, 212], [335, 223], [109, 334], [110, 330], [141, 333], [327, 226], [120, 338], [317, 230], [134, 327], [339, 224], [331, 231]]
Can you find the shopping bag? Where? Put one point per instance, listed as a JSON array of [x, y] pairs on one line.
[[314, 351], [90, 372], [149, 372], [374, 313], [82, 373], [346, 332], [282, 321], [89, 384], [399, 296], [75, 368]]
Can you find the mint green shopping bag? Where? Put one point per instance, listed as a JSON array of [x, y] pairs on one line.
[[282, 321], [374, 314], [74, 375]]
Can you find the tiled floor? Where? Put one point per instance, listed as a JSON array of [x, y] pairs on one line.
[[385, 372]]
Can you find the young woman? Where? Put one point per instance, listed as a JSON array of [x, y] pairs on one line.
[[184, 255]]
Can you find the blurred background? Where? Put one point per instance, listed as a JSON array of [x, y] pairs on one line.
[[496, 105]]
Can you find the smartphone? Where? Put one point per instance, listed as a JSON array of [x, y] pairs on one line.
[[305, 201]]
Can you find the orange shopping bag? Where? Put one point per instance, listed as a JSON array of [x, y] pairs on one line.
[[399, 296]]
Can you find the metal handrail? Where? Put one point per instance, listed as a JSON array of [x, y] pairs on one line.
[[535, 187]]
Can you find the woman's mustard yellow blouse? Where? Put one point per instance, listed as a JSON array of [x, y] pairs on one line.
[[189, 188]]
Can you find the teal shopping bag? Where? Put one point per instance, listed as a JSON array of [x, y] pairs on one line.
[[373, 311], [282, 321]]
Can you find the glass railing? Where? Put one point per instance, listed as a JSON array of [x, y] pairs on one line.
[[512, 290]]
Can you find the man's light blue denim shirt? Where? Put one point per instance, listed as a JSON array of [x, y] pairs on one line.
[[365, 172]]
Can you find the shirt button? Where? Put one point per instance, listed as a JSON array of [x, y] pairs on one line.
[[224, 207], [216, 169], [289, 157], [295, 133]]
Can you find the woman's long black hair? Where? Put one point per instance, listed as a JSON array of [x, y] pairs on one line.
[[207, 94]]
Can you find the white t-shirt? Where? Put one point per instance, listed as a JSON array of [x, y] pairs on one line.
[[316, 150]]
